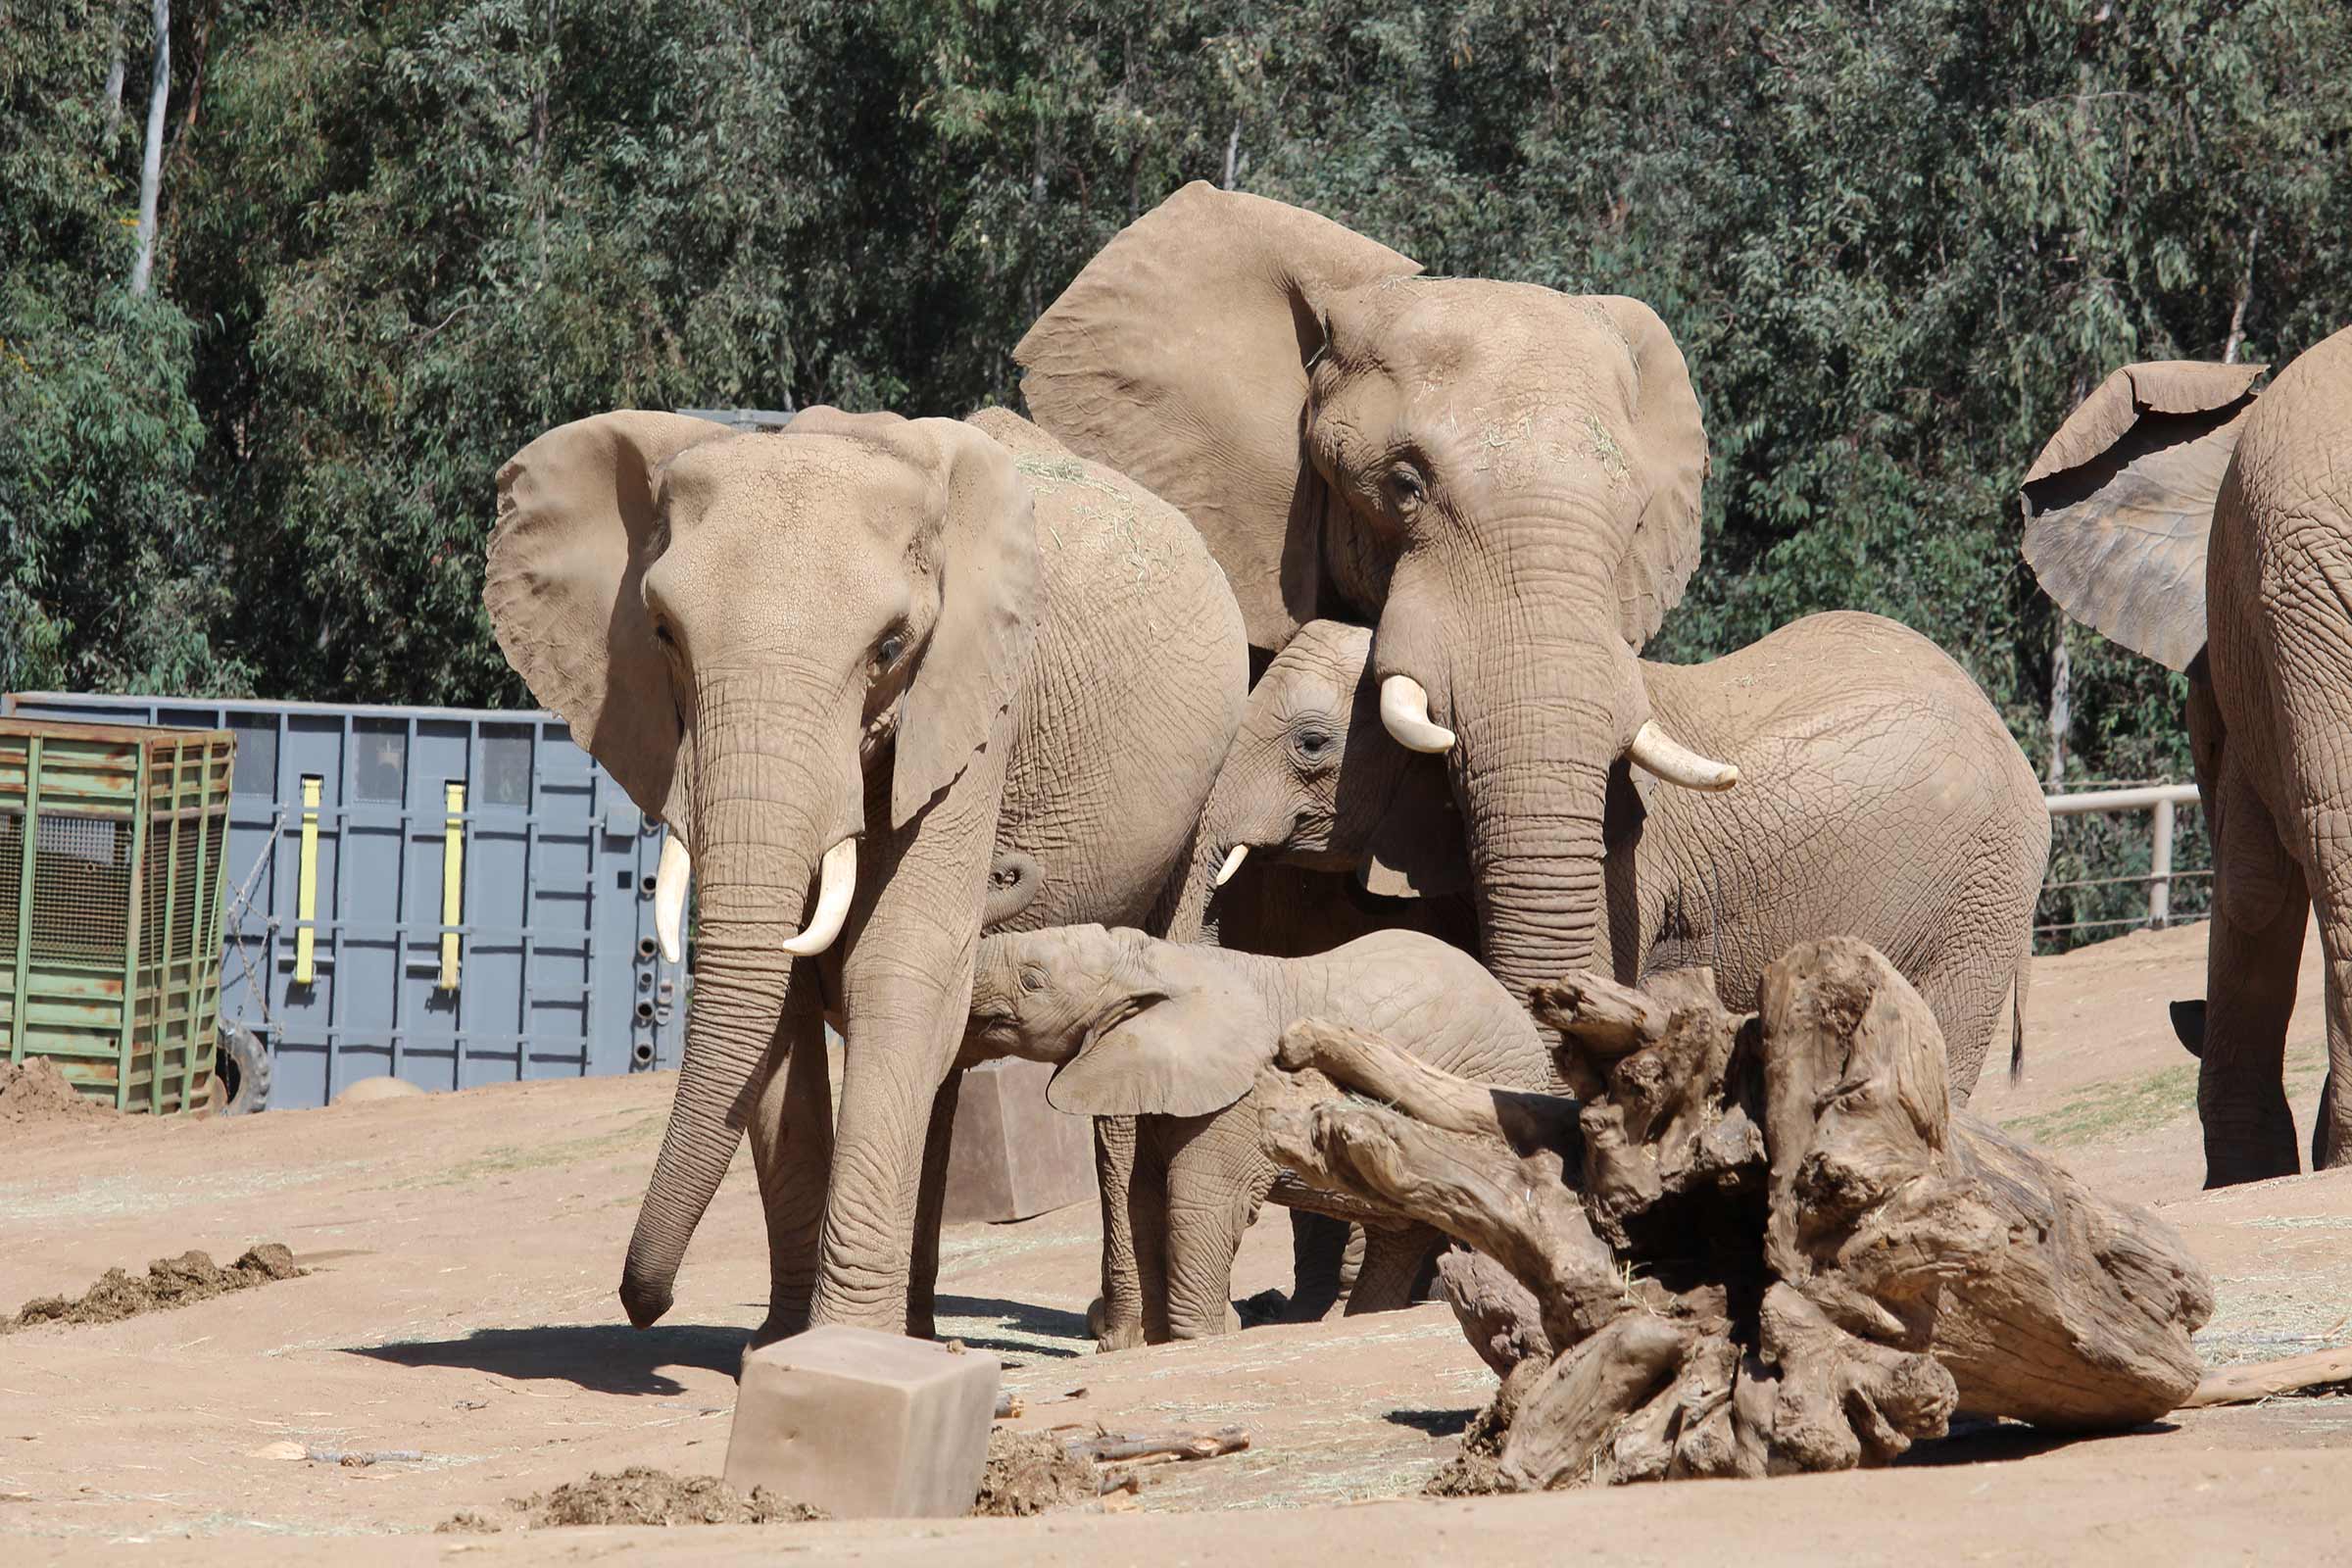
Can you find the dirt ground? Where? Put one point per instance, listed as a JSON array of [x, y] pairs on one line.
[[458, 1313]]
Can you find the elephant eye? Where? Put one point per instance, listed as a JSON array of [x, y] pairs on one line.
[[1033, 978], [1314, 744], [887, 652], [1406, 486]]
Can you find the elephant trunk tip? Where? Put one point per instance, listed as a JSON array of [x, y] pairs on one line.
[[646, 1300]]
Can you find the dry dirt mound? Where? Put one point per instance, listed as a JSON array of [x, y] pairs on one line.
[[1029, 1472], [641, 1496], [33, 1092], [171, 1282]]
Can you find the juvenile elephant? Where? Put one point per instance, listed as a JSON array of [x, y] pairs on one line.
[[858, 666], [1880, 797], [1174, 1035], [2211, 530]]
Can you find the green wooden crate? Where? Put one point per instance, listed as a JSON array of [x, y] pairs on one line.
[[112, 868]]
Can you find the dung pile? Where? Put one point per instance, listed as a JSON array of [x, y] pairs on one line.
[[1029, 1472], [171, 1282], [639, 1496]]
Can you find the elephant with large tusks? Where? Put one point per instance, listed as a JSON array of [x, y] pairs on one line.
[[2209, 527], [1879, 795], [862, 666], [1174, 1035], [1504, 479]]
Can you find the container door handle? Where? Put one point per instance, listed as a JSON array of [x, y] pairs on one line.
[[452, 883], [305, 891]]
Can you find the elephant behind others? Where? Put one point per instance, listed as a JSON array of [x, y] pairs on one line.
[[2209, 527], [1878, 795], [1175, 1034]]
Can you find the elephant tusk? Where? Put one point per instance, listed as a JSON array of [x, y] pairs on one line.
[[837, 881], [1404, 715], [1659, 752], [1233, 863], [669, 895]]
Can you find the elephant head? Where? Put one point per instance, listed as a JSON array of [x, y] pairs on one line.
[[1314, 780], [2120, 503], [761, 636], [1138, 1026], [1502, 478]]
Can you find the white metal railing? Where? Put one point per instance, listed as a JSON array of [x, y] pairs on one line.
[[2164, 800]]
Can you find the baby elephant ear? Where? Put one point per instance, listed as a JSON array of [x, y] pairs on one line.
[[2120, 504], [1182, 1056]]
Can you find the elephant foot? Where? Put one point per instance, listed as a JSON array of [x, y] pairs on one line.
[[1108, 1336], [2235, 1172], [777, 1326]]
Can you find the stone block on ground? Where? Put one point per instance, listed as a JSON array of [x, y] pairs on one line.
[[1013, 1155], [864, 1425]]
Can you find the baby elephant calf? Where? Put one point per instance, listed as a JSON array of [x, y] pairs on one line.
[[1174, 1035]]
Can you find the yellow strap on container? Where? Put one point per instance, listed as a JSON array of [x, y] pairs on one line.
[[453, 884], [306, 892]]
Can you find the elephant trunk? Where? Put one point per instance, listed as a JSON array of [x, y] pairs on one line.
[[762, 825], [1542, 705], [738, 1000], [1188, 915]]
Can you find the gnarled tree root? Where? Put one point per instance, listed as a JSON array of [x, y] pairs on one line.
[[1772, 1247]]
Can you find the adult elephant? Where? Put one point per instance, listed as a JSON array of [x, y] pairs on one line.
[[1504, 479], [2210, 528], [1884, 798], [858, 665]]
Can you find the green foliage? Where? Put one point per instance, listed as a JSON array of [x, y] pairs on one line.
[[1897, 240], [108, 569]]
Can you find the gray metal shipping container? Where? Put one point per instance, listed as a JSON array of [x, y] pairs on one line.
[[555, 969]]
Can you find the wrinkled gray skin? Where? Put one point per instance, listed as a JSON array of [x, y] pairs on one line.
[[1175, 1035], [932, 637], [1880, 797], [2179, 475]]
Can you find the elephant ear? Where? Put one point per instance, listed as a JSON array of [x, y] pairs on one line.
[[579, 522], [1178, 356], [1670, 466], [979, 539], [2118, 505], [1186, 1055], [1420, 848]]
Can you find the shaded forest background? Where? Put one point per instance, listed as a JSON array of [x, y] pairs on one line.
[[395, 240]]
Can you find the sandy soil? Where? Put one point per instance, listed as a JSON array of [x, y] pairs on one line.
[[463, 1250]]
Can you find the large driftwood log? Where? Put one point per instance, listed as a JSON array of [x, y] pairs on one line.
[[1780, 1248]]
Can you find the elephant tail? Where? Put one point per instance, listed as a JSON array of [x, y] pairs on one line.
[[2019, 985]]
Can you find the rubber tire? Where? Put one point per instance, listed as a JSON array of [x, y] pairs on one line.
[[243, 1067]]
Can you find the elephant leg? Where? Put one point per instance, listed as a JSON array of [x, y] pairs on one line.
[[1118, 1319], [923, 1280], [1318, 1252], [907, 996], [1393, 1260], [2250, 994], [2327, 855], [1217, 1177], [792, 1151]]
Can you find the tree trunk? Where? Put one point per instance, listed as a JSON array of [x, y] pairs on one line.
[[150, 166], [1780, 1250]]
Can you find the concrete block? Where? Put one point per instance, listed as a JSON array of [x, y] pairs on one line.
[[864, 1425], [1013, 1155]]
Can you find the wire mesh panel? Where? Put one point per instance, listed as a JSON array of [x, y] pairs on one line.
[[112, 843]]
